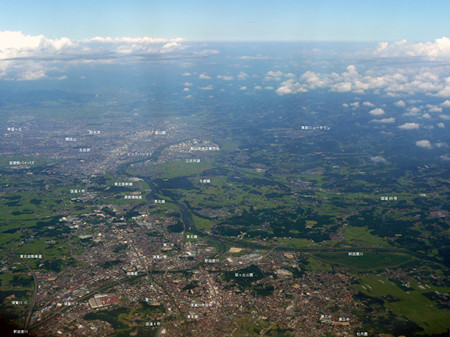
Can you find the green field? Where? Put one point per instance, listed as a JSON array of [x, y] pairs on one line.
[[180, 168], [411, 304], [361, 236], [294, 243], [370, 261], [202, 223]]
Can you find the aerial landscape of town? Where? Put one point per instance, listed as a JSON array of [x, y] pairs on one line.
[[162, 187]]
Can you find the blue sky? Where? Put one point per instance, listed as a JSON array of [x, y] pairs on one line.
[[244, 20]]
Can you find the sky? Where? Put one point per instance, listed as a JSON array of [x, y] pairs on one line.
[[43, 39], [407, 62], [231, 20]]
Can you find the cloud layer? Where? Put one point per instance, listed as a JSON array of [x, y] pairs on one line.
[[30, 57], [403, 81], [439, 49]]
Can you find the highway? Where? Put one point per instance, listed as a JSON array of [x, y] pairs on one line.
[[33, 297]]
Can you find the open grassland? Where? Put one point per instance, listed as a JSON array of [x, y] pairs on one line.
[[362, 237], [180, 168], [202, 223], [410, 303], [370, 261]]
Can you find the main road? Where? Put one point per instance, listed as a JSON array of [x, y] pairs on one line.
[[33, 297]]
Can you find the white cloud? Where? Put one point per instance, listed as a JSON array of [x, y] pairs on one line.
[[273, 76], [258, 87], [187, 84], [204, 76], [370, 105], [186, 89], [257, 57], [439, 49], [445, 117], [434, 108], [242, 76], [171, 46], [409, 126], [342, 87], [208, 87], [313, 80], [349, 80], [31, 57], [446, 104], [278, 76], [377, 112], [225, 77], [131, 46], [31, 75], [412, 111], [441, 144], [410, 81], [384, 120], [186, 74], [20, 54], [440, 125], [354, 105], [137, 40], [290, 87], [378, 159], [17, 41], [243, 88], [207, 52], [400, 104], [445, 91], [426, 115], [424, 144]]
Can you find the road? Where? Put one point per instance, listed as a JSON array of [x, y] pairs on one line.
[[33, 297]]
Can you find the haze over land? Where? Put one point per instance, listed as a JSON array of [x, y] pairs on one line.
[[175, 181]]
